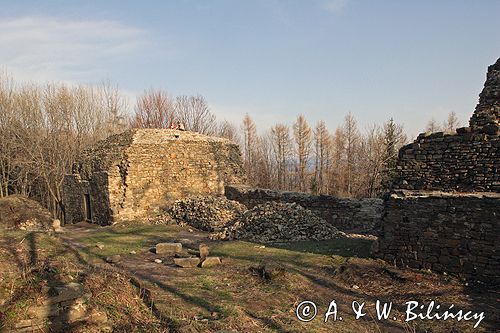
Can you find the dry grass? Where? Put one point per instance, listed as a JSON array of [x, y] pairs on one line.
[[236, 297], [31, 261], [17, 209]]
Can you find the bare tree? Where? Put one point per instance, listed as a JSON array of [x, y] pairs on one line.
[[228, 130], [114, 105], [194, 112], [452, 123], [337, 171], [352, 140], [302, 136], [43, 129], [322, 143], [264, 170], [282, 148], [154, 109], [372, 163], [249, 147], [432, 126]]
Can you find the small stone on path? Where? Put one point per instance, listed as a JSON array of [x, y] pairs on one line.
[[113, 259], [187, 262], [211, 261]]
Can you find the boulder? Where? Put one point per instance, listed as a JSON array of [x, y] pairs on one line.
[[187, 262], [211, 261], [168, 248], [204, 251]]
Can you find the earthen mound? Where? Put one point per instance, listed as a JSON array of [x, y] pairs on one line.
[[279, 222], [206, 212], [20, 212]]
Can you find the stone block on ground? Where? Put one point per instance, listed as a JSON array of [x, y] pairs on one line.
[[65, 292], [187, 262], [56, 224], [211, 261], [113, 259], [204, 251], [168, 248], [43, 311]]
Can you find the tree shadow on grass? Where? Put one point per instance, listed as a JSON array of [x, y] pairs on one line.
[[345, 247]]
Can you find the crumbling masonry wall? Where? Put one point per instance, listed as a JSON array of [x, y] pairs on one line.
[[444, 232], [345, 214], [136, 174], [444, 210]]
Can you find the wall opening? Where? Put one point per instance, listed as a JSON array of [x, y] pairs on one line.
[[87, 208]]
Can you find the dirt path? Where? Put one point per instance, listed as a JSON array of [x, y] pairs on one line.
[[231, 297]]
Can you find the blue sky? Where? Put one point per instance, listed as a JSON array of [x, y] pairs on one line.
[[410, 60]]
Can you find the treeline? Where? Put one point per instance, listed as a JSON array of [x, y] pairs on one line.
[[44, 128], [345, 162]]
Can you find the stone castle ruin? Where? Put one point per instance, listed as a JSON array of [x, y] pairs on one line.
[[135, 174], [444, 211]]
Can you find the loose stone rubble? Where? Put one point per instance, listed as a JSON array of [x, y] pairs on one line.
[[206, 213], [346, 214], [20, 212], [278, 222], [65, 304]]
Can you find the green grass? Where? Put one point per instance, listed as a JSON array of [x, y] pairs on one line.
[[119, 240]]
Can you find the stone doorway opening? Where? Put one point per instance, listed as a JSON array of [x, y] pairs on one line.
[[87, 207]]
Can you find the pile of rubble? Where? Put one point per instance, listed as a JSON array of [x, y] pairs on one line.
[[20, 212], [278, 222], [163, 218], [206, 213]]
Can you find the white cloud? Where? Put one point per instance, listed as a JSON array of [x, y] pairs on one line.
[[53, 49], [334, 6]]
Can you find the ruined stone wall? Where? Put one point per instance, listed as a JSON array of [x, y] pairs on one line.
[[137, 173], [444, 232], [96, 187], [444, 211], [156, 175], [463, 162], [344, 213], [72, 198]]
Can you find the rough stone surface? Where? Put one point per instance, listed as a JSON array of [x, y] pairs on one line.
[[487, 113], [204, 251], [445, 232], [444, 210], [342, 213], [136, 174], [65, 304], [64, 293], [187, 262], [168, 248], [211, 261], [466, 161], [278, 222], [113, 259], [20, 212], [206, 213]]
